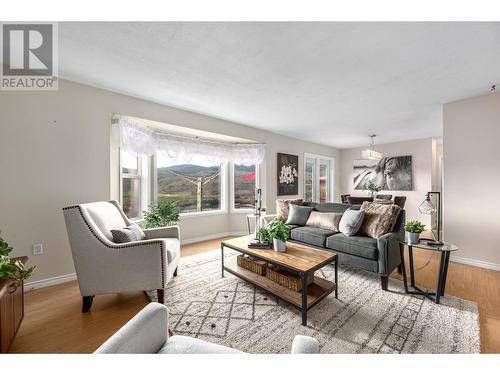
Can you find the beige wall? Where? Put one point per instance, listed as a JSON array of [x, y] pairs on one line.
[[472, 178], [55, 151], [421, 151]]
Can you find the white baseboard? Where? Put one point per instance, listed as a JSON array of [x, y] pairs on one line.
[[476, 263], [72, 276], [211, 237], [49, 282]]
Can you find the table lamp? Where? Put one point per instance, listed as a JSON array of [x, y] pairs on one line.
[[428, 208]]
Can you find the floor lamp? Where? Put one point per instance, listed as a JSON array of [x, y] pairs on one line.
[[428, 208]]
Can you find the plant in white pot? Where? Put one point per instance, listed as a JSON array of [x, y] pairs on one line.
[[374, 188], [278, 231], [413, 229]]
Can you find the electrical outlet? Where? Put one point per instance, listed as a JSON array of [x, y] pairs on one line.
[[38, 249]]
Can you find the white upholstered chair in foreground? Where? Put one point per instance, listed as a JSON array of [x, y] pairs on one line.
[[103, 266], [147, 333]]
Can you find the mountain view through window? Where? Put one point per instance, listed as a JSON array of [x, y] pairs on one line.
[[196, 187]]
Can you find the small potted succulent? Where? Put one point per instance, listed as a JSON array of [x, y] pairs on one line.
[[278, 231], [413, 229]]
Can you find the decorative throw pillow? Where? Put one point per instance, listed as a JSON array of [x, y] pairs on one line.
[[379, 219], [298, 215], [351, 221], [324, 220], [128, 234], [282, 207]]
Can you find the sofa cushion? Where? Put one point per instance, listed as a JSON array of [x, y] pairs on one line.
[[282, 207], [324, 220], [360, 246], [311, 235], [331, 207], [379, 219], [106, 216], [351, 221], [189, 345], [298, 215]]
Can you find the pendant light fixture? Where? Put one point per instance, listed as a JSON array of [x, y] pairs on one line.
[[370, 153]]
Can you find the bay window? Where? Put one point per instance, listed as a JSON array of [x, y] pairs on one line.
[[157, 166]]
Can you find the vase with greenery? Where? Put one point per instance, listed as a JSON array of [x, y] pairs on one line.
[[161, 214], [374, 188], [14, 272], [279, 232], [413, 229]]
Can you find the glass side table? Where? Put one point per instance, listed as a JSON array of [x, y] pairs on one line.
[[445, 251]]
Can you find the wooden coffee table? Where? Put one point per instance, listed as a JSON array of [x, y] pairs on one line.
[[299, 259]]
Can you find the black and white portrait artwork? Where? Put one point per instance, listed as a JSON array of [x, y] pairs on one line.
[[391, 173], [288, 174]]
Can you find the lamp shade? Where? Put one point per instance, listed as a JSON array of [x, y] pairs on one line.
[[371, 154], [426, 207]]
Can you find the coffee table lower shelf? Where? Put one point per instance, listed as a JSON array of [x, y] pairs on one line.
[[316, 291]]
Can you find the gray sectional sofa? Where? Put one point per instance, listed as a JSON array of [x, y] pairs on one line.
[[375, 255]]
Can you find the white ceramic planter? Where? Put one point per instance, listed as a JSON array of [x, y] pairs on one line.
[[279, 246], [413, 238]]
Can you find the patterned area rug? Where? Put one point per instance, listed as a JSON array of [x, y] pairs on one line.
[[364, 319]]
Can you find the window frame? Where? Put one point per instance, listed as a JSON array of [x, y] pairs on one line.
[[223, 201], [231, 190], [141, 175]]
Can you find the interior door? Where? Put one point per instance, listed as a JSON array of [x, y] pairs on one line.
[[317, 180], [324, 189], [309, 178]]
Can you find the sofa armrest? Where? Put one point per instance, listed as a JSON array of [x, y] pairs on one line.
[[145, 333], [389, 257], [163, 232], [305, 345]]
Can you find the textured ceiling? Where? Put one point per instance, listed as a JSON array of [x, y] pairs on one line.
[[329, 83]]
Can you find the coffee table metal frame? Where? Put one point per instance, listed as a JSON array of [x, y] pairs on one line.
[[303, 276]]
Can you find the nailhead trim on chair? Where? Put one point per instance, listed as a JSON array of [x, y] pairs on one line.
[[121, 247]]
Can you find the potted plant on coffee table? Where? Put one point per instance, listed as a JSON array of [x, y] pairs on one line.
[[278, 231], [413, 229]]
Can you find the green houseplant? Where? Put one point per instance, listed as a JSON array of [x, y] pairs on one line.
[[413, 229], [279, 232], [374, 188], [264, 236], [161, 214], [15, 272]]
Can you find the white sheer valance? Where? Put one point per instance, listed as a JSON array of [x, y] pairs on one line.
[[139, 139]]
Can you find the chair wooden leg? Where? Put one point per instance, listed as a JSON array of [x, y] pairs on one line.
[[175, 272], [400, 269], [161, 296], [384, 281], [87, 303]]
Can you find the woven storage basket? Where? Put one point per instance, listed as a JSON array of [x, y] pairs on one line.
[[256, 266], [287, 278]]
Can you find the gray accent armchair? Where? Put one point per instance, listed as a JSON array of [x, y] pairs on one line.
[[104, 267], [147, 333]]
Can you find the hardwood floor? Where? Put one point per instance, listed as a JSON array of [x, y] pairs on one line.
[[54, 324]]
